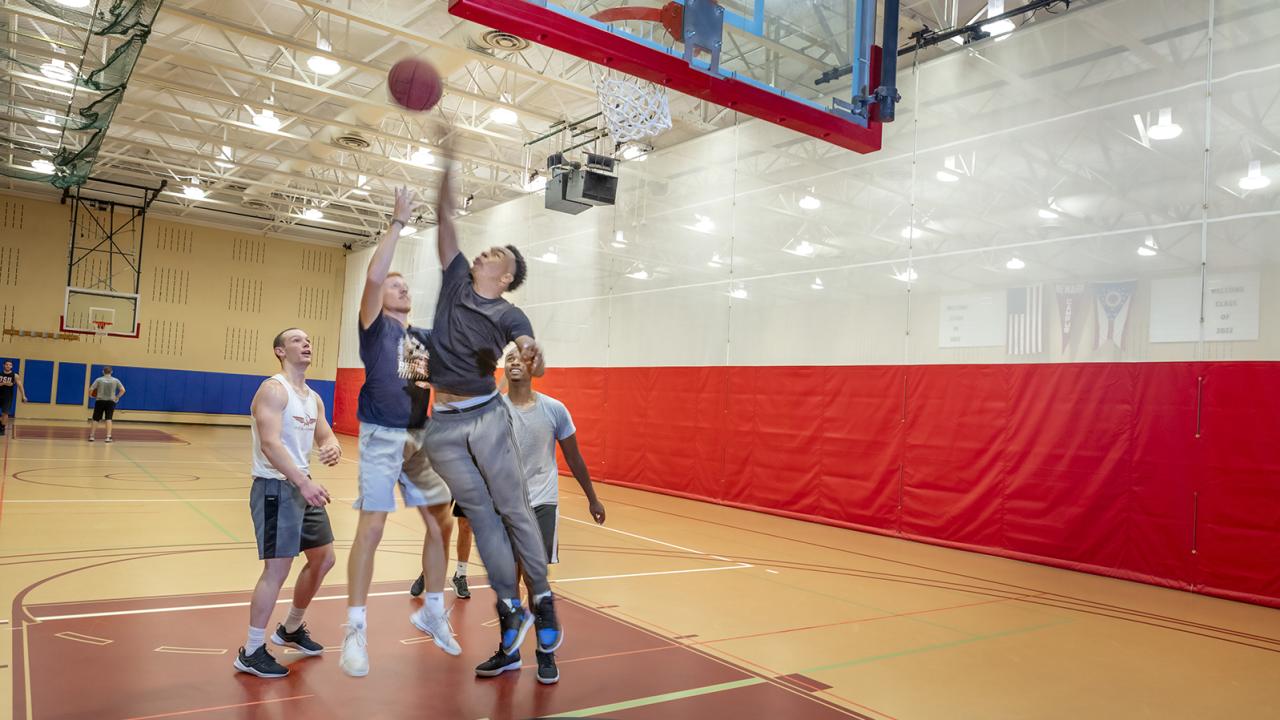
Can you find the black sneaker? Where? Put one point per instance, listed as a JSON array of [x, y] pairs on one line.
[[515, 624], [548, 673], [299, 639], [418, 586], [550, 636], [460, 587], [498, 664], [260, 663]]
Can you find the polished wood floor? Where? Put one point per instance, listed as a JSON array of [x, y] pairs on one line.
[[126, 569]]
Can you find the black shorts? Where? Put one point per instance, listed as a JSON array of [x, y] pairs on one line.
[[6, 401], [285, 525], [457, 511], [103, 410], [548, 517]]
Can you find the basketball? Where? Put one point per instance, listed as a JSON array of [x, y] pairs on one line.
[[415, 84]]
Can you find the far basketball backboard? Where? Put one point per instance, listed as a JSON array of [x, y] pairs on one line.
[[763, 58]]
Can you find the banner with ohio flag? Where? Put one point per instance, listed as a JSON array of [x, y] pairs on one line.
[[1113, 301], [1026, 320]]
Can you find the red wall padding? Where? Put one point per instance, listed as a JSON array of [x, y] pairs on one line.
[[1159, 472], [345, 396]]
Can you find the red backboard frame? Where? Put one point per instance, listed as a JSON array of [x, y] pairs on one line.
[[596, 44]]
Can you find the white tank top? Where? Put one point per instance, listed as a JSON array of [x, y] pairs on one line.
[[297, 433]]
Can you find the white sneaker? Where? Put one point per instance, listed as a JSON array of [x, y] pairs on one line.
[[355, 652], [437, 626]]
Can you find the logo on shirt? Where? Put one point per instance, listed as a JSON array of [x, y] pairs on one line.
[[413, 358], [304, 421], [6, 381]]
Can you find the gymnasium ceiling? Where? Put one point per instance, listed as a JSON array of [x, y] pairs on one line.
[[211, 65]]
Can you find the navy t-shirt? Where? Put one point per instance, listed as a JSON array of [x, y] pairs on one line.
[[469, 334], [392, 360]]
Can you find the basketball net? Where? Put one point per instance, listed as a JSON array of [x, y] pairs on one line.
[[633, 109], [101, 332]]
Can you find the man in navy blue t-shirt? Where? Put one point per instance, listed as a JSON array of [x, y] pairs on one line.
[[392, 409], [470, 439]]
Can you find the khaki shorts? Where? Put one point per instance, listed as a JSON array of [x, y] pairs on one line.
[[419, 471]]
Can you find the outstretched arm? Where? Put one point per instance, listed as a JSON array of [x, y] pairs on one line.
[[578, 466], [380, 263], [446, 233]]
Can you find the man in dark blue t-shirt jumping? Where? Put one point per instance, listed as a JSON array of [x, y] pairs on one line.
[[470, 440], [392, 409]]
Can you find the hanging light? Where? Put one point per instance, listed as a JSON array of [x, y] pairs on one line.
[[911, 233], [636, 152], [817, 284], [639, 274], [360, 188], [323, 64], [715, 261], [704, 224], [947, 177], [1255, 180], [1015, 264], [41, 165], [407, 230], [1047, 214], [908, 276], [809, 202], [537, 182], [738, 293], [267, 120], [619, 239], [194, 191], [1149, 248], [75, 3], [999, 27], [803, 248], [550, 256], [504, 116], [422, 157], [312, 213], [58, 70], [1165, 128]]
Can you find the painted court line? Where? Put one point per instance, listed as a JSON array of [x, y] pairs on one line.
[[218, 707], [640, 537], [656, 699], [389, 593], [191, 651], [86, 639]]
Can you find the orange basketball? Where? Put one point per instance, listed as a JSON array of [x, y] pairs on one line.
[[415, 84]]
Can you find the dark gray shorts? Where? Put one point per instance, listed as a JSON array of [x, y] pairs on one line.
[[283, 522], [549, 525]]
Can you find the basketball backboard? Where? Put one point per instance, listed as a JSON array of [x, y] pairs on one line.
[[99, 312], [759, 57]]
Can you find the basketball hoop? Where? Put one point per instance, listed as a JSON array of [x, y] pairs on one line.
[[101, 326], [633, 109]]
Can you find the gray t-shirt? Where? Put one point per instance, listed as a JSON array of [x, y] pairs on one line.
[[108, 388], [538, 428]]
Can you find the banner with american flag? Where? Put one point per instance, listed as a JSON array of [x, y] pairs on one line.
[[1026, 320]]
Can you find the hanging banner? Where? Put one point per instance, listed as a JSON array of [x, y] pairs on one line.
[[1025, 330], [1231, 308], [1071, 307], [971, 320], [1113, 301]]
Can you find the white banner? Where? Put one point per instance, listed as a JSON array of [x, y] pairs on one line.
[[972, 320], [1231, 308]]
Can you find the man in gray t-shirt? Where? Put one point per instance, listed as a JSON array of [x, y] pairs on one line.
[[106, 391]]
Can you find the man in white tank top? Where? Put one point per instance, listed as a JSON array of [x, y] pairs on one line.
[[287, 505]]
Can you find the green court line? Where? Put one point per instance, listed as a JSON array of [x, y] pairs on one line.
[[174, 493], [931, 648], [667, 697]]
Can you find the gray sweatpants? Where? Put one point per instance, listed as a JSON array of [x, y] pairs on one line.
[[475, 452]]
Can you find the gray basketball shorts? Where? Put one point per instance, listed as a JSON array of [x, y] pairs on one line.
[[283, 522]]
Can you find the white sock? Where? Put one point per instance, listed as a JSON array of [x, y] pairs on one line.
[[538, 598], [461, 570], [257, 638], [356, 616], [435, 603], [294, 621]]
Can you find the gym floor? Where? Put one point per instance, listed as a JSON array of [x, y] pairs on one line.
[[127, 569]]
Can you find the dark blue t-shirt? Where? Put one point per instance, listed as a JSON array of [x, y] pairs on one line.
[[392, 362], [469, 334]]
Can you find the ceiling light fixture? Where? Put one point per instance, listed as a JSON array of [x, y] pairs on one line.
[[639, 274], [809, 202], [1047, 214], [1255, 180], [1149, 248], [999, 27], [911, 233], [908, 276], [504, 116], [817, 284], [1165, 128], [619, 239], [422, 157], [323, 64], [266, 120], [43, 166], [317, 214], [58, 70], [1015, 264], [715, 261], [194, 191]]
